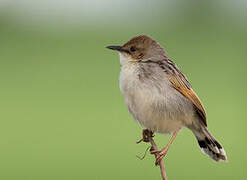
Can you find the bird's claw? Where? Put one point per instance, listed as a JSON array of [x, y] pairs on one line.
[[159, 155]]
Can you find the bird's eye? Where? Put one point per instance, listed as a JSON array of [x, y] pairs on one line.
[[132, 49]]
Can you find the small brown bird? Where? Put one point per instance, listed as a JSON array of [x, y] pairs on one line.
[[159, 96]]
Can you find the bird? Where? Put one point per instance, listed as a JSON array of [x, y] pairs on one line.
[[159, 96]]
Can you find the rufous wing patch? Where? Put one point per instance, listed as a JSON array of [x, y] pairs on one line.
[[181, 84]]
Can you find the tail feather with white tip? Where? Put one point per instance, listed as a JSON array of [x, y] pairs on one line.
[[209, 145]]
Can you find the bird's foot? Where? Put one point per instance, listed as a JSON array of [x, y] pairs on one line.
[[146, 134], [159, 154]]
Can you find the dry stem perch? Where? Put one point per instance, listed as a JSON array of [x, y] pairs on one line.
[[148, 137]]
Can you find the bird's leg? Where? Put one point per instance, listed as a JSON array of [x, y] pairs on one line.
[[161, 153], [145, 136]]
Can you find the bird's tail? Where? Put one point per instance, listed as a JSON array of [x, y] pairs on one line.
[[209, 145]]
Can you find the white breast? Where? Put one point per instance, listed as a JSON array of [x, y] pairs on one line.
[[158, 107]]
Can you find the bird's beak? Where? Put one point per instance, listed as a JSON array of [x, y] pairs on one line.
[[117, 48]]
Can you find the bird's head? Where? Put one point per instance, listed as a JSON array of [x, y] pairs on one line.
[[140, 48]]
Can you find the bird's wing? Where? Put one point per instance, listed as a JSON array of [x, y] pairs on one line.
[[181, 84]]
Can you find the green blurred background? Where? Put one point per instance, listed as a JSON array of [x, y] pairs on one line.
[[62, 114]]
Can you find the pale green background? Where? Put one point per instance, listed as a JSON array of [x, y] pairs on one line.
[[62, 114]]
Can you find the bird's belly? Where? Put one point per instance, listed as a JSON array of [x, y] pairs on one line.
[[166, 123], [161, 118], [162, 110]]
